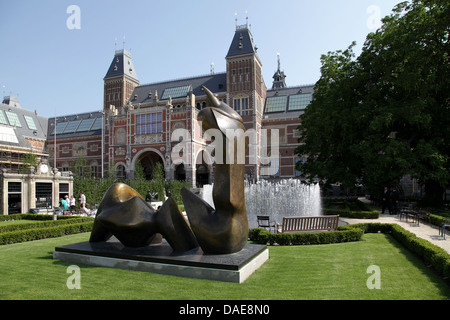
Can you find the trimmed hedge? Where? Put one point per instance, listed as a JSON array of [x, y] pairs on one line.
[[349, 209], [263, 236], [437, 220], [347, 213], [44, 229], [30, 216], [43, 224]]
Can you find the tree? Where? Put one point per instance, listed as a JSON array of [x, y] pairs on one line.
[[159, 181], [385, 114], [81, 168], [29, 160]]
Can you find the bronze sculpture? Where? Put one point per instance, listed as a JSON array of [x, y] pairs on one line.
[[225, 229], [124, 213]]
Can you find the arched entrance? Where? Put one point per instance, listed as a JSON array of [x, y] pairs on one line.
[[148, 161], [202, 177], [202, 172], [180, 173]]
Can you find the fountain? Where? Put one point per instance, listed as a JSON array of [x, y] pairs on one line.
[[285, 198]]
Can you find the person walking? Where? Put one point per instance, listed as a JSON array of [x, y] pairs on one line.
[[394, 201], [72, 204], [82, 200], [386, 200]]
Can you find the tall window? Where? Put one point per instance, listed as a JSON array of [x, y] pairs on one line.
[[241, 106], [149, 123]]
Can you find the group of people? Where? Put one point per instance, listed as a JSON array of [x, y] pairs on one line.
[[390, 200], [68, 205]]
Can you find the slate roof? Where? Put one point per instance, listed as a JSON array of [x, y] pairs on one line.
[[242, 43], [23, 124], [121, 65], [217, 83]]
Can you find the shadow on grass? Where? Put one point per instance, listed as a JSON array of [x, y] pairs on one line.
[[427, 270]]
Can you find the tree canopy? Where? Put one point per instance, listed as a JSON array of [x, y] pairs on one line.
[[384, 114]]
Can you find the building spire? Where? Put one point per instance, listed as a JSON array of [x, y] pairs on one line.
[[278, 57], [279, 76]]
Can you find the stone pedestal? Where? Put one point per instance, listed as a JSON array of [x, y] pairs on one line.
[[235, 267]]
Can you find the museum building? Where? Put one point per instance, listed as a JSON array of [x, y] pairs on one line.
[[23, 136], [139, 120]]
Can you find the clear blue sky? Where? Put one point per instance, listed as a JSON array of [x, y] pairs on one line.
[[57, 70]]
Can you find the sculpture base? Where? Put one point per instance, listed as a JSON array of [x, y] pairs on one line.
[[235, 267]]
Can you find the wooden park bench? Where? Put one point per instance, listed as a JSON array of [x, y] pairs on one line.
[[309, 224]]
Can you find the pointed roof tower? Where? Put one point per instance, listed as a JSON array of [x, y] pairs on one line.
[[242, 43], [119, 81], [279, 77], [122, 65]]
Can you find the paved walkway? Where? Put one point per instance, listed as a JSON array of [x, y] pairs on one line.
[[425, 231]]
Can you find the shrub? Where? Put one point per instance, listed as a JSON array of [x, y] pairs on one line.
[[263, 236], [350, 209], [436, 220], [43, 224], [44, 229]]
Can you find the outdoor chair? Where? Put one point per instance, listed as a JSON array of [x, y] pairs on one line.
[[264, 222], [442, 227]]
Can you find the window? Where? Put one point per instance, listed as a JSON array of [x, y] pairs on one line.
[[14, 197], [7, 134], [15, 187], [241, 106], [13, 119], [299, 101], [72, 126], [2, 118], [274, 167], [60, 127], [97, 124], [176, 92], [44, 194], [302, 160], [276, 104], [149, 123], [30, 122], [63, 190], [85, 125]]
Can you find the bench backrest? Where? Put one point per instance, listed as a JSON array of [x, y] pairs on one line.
[[263, 221], [292, 224]]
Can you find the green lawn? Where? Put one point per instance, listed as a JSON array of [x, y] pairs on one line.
[[336, 271]]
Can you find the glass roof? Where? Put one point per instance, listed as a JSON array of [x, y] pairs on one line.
[[13, 119], [176, 92], [97, 124], [299, 101], [276, 104], [78, 126], [72, 126], [85, 125], [2, 118], [30, 122], [7, 134]]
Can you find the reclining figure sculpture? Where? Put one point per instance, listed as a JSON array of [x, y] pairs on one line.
[[225, 228], [124, 213]]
